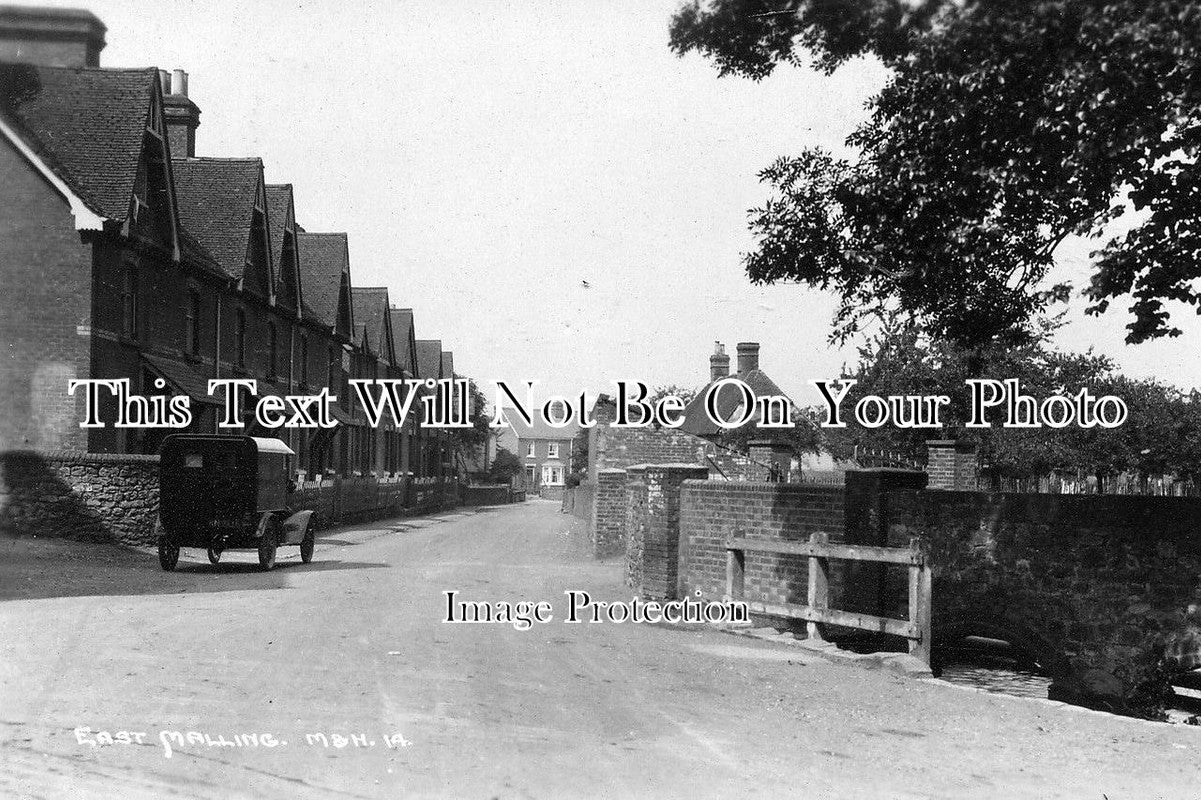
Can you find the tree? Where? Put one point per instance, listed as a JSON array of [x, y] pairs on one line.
[[1161, 435], [1004, 129], [504, 466], [467, 442], [579, 457]]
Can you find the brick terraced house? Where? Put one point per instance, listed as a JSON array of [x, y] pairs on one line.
[[125, 255]]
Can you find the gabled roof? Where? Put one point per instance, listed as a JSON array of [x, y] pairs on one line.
[[281, 215], [540, 429], [216, 205], [85, 124], [324, 260], [371, 314], [429, 359], [404, 339], [729, 399]]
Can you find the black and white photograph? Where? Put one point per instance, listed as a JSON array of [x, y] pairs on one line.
[[513, 399]]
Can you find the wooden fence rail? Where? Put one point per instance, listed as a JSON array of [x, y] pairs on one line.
[[817, 612]]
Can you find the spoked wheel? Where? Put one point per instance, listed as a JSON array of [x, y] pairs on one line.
[[168, 553], [214, 555], [307, 545], [267, 547]]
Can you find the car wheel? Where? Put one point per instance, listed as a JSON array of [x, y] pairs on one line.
[[307, 545], [214, 555], [267, 547], [168, 553]]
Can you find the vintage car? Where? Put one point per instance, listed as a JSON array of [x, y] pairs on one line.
[[223, 492]]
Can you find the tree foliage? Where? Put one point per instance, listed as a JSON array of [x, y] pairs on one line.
[[467, 442], [1004, 129], [1162, 434], [504, 466]]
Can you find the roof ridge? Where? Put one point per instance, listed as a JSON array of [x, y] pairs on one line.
[[219, 159], [60, 68]]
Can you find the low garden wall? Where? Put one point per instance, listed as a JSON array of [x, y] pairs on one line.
[[90, 497], [114, 498]]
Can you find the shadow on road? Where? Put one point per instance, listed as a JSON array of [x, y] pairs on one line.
[[34, 568]]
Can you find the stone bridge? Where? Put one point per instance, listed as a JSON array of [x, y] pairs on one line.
[[1100, 591]]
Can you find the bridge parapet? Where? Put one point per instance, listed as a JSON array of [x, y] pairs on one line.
[[1095, 588]]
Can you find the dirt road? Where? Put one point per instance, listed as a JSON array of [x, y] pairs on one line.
[[354, 646]]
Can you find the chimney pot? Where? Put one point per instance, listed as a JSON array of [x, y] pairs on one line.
[[164, 79], [719, 362], [748, 356], [179, 83]]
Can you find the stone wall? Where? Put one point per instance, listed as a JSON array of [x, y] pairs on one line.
[[114, 498], [96, 498], [1094, 587]]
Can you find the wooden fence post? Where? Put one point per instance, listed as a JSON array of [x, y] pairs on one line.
[[735, 571], [920, 601], [819, 586]]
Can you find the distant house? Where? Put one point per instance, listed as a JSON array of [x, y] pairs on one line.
[[729, 405], [544, 452]]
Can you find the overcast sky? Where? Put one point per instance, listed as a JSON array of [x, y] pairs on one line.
[[555, 194]]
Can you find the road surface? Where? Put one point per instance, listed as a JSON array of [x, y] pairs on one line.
[[353, 647]]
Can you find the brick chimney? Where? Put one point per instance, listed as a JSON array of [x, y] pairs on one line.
[[748, 356], [51, 37], [182, 115], [719, 362]]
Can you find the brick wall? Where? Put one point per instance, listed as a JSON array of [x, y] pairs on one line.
[[712, 510], [609, 513], [45, 313], [660, 530], [98, 498], [635, 523], [952, 465], [618, 448]]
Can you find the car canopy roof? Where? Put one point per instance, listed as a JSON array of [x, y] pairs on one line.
[[271, 446]]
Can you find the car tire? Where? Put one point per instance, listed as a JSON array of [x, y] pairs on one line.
[[267, 547], [168, 553], [307, 545]]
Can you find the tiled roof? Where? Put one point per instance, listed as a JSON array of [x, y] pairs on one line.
[[429, 359], [279, 200], [539, 430], [323, 259], [86, 124], [402, 336], [183, 377], [216, 205], [729, 399], [370, 312]]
